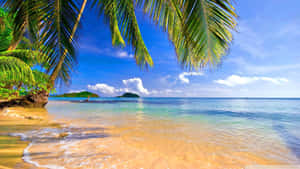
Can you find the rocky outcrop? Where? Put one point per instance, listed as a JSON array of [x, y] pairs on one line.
[[38, 100]]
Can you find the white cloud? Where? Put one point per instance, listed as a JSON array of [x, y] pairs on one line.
[[289, 29], [75, 91], [165, 92], [251, 42], [105, 51], [123, 54], [261, 69], [268, 40], [91, 48], [235, 80], [103, 88], [135, 84], [182, 77]]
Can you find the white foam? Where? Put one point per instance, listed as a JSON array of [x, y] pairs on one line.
[[27, 159], [22, 135]]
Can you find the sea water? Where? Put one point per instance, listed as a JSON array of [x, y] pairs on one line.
[[170, 133]]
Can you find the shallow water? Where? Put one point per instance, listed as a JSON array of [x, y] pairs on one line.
[[168, 133]]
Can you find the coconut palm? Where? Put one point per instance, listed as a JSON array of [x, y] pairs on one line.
[[200, 30], [16, 65]]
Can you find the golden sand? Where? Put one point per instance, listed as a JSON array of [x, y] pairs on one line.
[[134, 143], [18, 120]]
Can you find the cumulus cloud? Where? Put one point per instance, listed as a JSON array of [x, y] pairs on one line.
[[130, 85], [135, 84], [104, 88], [182, 77], [235, 80]]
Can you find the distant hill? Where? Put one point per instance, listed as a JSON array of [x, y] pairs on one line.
[[78, 94], [129, 95]]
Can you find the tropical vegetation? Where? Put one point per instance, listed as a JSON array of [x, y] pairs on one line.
[[16, 66], [84, 94], [200, 31]]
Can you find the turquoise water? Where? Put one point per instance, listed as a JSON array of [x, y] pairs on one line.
[[268, 121]]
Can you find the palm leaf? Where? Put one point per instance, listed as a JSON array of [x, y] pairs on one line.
[[109, 9], [131, 32], [6, 34], [30, 57], [200, 30], [57, 36], [41, 80], [123, 24], [14, 70], [28, 16]]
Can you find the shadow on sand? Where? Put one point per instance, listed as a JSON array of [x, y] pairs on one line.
[[292, 141]]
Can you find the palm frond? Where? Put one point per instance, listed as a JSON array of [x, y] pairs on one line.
[[28, 16], [200, 30], [14, 70], [41, 79], [109, 9], [30, 57], [57, 35], [6, 34], [131, 32]]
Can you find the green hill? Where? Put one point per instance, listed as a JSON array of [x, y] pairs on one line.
[[129, 95], [78, 94]]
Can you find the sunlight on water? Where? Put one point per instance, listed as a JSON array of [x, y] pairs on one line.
[[170, 133]]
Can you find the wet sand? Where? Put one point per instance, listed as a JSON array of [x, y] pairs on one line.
[[18, 120], [133, 143]]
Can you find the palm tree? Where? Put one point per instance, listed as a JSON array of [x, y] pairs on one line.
[[200, 30], [16, 65]]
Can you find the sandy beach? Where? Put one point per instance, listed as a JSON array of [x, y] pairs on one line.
[[18, 120], [132, 144]]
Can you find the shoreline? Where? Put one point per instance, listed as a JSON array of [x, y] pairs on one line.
[[19, 120], [133, 142]]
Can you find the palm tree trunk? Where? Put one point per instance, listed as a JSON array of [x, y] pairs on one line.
[[13, 46], [56, 70], [15, 42]]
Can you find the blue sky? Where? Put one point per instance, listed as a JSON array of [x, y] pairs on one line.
[[263, 60]]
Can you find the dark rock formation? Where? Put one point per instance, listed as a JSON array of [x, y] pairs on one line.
[[38, 100]]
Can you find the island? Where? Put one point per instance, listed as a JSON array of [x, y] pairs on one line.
[[85, 94], [129, 95]]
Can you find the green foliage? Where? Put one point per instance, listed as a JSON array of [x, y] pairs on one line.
[[200, 30], [17, 76], [41, 80], [5, 30], [12, 89], [14, 70], [84, 94]]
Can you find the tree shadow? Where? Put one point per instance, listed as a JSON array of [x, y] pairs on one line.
[[60, 134], [292, 141]]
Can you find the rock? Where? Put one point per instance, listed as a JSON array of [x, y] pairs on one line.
[[38, 100]]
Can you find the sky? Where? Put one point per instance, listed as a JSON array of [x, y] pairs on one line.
[[263, 60]]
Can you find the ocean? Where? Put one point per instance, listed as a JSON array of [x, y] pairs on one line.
[[169, 133]]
